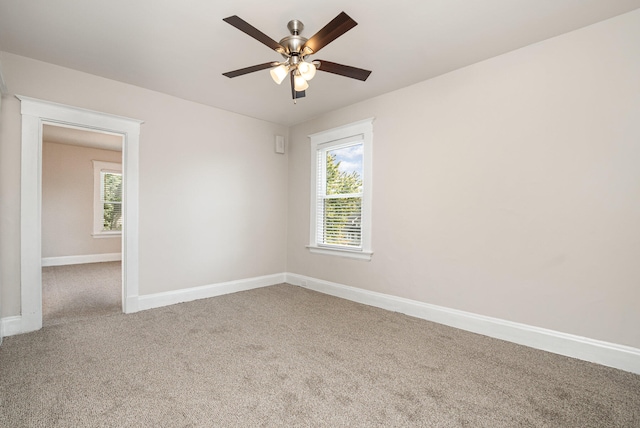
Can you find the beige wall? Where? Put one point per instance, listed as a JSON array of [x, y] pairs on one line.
[[213, 193], [67, 201], [510, 188], [9, 211], [1, 97]]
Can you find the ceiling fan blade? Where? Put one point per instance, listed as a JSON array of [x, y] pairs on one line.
[[252, 31], [334, 29], [343, 70], [251, 69], [295, 94]]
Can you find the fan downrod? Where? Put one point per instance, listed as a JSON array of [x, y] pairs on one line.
[[295, 27]]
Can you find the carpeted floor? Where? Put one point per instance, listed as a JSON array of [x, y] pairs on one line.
[[287, 356], [75, 292]]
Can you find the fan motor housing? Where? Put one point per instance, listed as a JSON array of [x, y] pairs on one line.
[[292, 44]]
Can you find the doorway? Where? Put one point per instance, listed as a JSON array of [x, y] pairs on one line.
[[81, 224], [36, 113]]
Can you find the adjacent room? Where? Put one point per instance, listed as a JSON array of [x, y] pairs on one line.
[[81, 192], [343, 214]]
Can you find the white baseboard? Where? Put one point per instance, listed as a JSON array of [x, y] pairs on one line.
[[11, 325], [77, 260], [608, 354], [157, 300]]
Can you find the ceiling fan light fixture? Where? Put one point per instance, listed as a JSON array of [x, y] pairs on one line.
[[295, 49], [299, 83], [307, 70], [279, 73]]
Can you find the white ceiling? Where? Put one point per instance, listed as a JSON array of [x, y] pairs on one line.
[[182, 47], [81, 137]]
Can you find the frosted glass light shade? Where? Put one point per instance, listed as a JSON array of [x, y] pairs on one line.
[[299, 83], [307, 70], [279, 73]]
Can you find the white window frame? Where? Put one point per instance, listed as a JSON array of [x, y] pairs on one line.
[[334, 138], [98, 207]]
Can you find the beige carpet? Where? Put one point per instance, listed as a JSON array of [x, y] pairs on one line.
[[75, 292], [287, 356]]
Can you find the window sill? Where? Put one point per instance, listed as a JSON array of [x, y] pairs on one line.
[[107, 235], [340, 252]]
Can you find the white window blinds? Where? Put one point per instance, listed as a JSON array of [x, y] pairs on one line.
[[339, 195]]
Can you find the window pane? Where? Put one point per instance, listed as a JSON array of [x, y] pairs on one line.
[[111, 194], [344, 170], [341, 168], [112, 216], [111, 187], [342, 222]]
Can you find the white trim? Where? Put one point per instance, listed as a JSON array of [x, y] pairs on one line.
[[328, 251], [30, 224], [117, 234], [608, 354], [605, 353], [34, 113], [77, 260], [343, 131], [10, 326], [167, 298]]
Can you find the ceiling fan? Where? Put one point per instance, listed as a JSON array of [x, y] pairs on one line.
[[295, 49]]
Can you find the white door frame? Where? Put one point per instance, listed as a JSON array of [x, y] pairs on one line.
[[34, 113]]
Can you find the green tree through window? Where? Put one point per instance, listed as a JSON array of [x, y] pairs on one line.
[[342, 203], [112, 201]]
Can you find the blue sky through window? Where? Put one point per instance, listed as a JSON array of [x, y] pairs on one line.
[[350, 158]]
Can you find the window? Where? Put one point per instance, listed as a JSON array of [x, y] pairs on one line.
[[107, 199], [341, 191]]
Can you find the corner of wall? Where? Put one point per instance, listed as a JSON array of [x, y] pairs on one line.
[[607, 354], [3, 85]]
